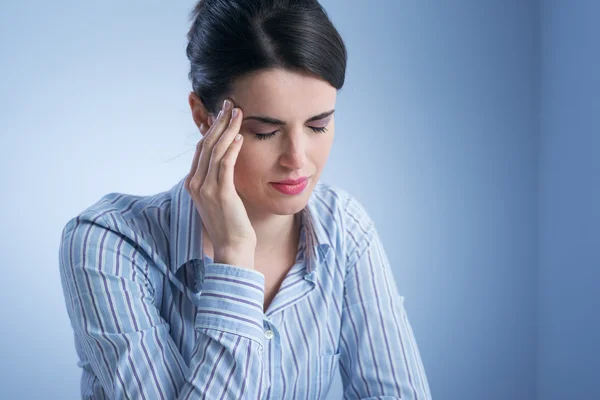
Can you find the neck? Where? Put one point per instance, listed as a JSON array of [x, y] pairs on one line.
[[273, 233]]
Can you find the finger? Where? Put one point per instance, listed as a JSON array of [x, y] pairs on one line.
[[228, 162], [194, 166], [196, 157], [208, 142], [220, 123], [221, 147]]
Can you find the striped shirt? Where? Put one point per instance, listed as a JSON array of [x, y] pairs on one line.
[[155, 318]]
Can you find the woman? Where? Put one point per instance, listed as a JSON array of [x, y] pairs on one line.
[[238, 283]]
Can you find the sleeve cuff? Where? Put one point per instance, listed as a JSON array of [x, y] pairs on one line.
[[232, 300]]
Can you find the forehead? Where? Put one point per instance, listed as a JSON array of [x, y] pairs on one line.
[[281, 93]]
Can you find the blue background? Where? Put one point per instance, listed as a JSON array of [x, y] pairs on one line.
[[470, 131]]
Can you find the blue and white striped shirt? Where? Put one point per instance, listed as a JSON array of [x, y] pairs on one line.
[[156, 318]]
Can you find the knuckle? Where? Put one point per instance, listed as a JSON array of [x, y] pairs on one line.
[[194, 184], [226, 162], [188, 187], [217, 149], [206, 191]]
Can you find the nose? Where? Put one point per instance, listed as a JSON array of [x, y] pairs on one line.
[[294, 152]]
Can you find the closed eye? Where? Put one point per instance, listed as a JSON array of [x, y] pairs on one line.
[[265, 136]]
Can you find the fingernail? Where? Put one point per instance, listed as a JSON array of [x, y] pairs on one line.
[[238, 137], [234, 113], [226, 104]]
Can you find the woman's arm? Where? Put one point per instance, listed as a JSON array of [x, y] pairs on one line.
[[379, 355], [123, 339]]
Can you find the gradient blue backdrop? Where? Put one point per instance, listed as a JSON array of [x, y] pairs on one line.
[[468, 129]]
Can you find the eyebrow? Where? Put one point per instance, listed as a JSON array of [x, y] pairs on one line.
[[275, 121]]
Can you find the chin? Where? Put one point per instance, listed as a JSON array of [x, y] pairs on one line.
[[293, 206], [285, 205]]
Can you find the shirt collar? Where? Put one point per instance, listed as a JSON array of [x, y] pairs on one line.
[[185, 242]]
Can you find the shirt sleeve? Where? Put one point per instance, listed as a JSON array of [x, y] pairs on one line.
[[379, 358], [123, 342]]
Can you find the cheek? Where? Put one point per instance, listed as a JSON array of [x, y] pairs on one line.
[[247, 157], [249, 165], [323, 148]]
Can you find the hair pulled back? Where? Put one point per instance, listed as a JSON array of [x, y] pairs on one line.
[[229, 39]]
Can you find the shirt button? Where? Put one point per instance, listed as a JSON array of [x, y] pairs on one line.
[[269, 334]]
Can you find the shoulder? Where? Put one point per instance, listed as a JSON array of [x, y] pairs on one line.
[[116, 219], [345, 214], [349, 208]]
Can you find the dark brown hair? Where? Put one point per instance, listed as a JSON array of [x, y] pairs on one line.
[[232, 38]]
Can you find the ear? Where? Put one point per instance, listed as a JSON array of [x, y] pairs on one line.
[[202, 118]]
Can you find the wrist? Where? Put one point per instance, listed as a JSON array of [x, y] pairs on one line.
[[238, 256]]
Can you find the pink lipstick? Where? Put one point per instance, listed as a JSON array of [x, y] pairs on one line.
[[291, 186]]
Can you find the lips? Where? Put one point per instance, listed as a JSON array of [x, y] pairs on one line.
[[290, 189], [292, 181]]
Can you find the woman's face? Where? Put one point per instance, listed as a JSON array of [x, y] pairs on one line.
[[298, 147]]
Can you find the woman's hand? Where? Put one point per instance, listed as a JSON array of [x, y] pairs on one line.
[[211, 186]]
